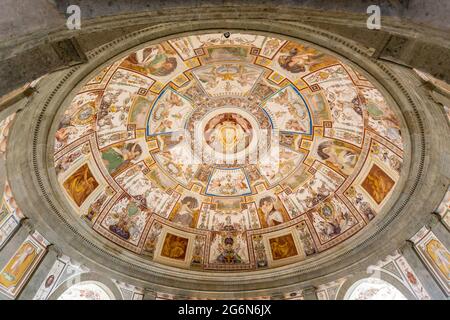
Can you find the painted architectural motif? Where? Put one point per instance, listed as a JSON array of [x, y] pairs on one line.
[[396, 266], [374, 289], [10, 213]]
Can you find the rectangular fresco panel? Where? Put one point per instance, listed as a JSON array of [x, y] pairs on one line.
[[283, 247], [444, 209], [22, 264], [377, 184], [435, 255], [80, 184], [174, 247]]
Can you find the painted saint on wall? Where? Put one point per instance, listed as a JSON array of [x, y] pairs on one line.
[[18, 265], [440, 256]]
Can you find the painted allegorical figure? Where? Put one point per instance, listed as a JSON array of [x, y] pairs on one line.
[[338, 156], [187, 212], [283, 247], [65, 130], [174, 247], [152, 60], [18, 265], [116, 158], [298, 58], [294, 61], [378, 184], [80, 184], [269, 215]]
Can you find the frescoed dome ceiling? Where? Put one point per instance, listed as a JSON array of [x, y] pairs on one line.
[[227, 154]]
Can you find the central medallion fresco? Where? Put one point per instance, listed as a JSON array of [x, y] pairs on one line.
[[226, 154], [228, 133]]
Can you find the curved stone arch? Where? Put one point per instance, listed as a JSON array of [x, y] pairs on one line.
[[103, 282], [128, 16], [358, 277], [38, 163]]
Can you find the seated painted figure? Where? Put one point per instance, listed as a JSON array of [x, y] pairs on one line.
[[229, 255]]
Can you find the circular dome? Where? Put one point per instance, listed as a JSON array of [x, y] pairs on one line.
[[224, 154]]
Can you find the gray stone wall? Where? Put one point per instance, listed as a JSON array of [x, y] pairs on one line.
[[36, 40]]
